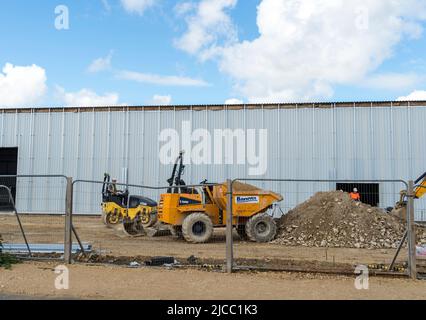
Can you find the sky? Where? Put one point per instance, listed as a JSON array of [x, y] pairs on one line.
[[151, 52]]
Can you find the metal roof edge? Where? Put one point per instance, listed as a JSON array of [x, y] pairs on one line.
[[215, 107]]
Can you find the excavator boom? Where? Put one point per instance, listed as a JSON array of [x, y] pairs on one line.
[[420, 189], [177, 172]]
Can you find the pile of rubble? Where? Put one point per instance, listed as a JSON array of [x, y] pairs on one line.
[[333, 219]]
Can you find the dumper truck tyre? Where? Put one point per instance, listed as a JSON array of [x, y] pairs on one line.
[[261, 228], [197, 228]]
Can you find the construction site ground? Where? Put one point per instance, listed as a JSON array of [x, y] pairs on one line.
[[89, 280], [50, 229], [114, 282]]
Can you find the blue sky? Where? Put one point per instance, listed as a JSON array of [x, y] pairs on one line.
[[158, 45]]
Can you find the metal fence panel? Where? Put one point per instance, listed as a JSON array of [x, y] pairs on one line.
[[43, 224]]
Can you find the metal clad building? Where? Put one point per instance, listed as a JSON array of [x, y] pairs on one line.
[[360, 141]]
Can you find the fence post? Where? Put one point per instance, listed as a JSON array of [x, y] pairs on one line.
[[229, 229], [68, 222], [411, 228]]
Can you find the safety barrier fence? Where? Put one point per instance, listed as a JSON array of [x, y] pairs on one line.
[[62, 225], [114, 240], [12, 206], [32, 211]]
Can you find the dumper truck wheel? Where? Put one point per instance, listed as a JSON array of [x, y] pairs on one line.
[[261, 228], [197, 228]]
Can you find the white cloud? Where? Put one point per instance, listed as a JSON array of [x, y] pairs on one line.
[[161, 100], [417, 95], [86, 98], [101, 64], [234, 101], [137, 6], [161, 80], [182, 8], [392, 81], [21, 86], [306, 47], [206, 24]]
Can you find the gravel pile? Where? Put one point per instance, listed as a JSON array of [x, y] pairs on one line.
[[333, 219]]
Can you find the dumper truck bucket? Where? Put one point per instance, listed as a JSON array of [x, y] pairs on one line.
[[247, 199]]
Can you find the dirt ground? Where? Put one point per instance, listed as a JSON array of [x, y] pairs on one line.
[[50, 229], [113, 282]]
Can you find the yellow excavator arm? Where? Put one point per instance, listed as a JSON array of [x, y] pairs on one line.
[[420, 189]]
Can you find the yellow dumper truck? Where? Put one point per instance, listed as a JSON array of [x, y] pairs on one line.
[[193, 212]]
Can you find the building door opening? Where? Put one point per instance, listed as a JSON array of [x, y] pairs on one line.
[[8, 166], [369, 192]]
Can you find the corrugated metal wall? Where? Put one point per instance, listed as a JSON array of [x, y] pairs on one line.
[[376, 142]]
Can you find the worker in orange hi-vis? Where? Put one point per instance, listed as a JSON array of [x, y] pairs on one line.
[[355, 195]]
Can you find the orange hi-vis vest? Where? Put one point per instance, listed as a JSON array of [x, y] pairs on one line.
[[355, 196]]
